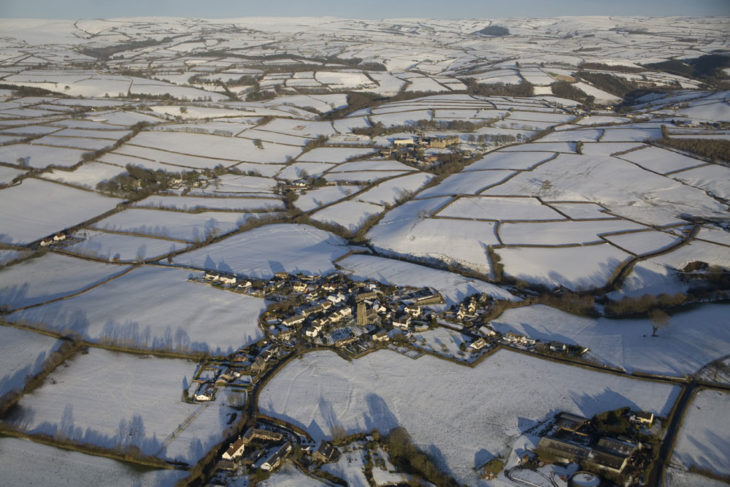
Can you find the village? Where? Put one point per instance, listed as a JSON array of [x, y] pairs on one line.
[[353, 318]]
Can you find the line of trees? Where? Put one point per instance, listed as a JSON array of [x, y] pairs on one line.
[[409, 458], [524, 88]]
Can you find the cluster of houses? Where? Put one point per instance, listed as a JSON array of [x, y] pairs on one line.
[[419, 150], [267, 444], [621, 459], [55, 239], [209, 377], [351, 315], [262, 447]]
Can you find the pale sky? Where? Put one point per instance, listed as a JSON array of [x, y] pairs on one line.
[[367, 9]]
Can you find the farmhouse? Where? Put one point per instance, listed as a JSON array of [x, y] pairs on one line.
[[227, 280], [478, 345], [273, 459], [299, 287], [402, 322], [326, 453], [441, 142], [381, 336], [404, 142], [205, 392], [293, 320], [235, 450]]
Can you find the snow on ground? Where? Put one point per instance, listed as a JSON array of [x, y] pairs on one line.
[[300, 170], [7, 174], [393, 190], [638, 134], [562, 232], [622, 187], [649, 277], [582, 135], [155, 308], [661, 160], [332, 154], [362, 176], [314, 198], [22, 354], [453, 287], [350, 466], [462, 241], [659, 274], [442, 341], [38, 156], [464, 416], [488, 208], [510, 160], [190, 227], [114, 400], [348, 214], [26, 463], [607, 148], [51, 276], [213, 146], [88, 175], [676, 477], [120, 248], [191, 203], [9, 256], [582, 211], [713, 178], [576, 268], [601, 97], [263, 251], [690, 341], [402, 118], [36, 209], [704, 438], [714, 234], [290, 476], [643, 242], [232, 185], [708, 252], [376, 165], [471, 182]]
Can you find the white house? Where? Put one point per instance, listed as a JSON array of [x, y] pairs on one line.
[[228, 281], [235, 450]]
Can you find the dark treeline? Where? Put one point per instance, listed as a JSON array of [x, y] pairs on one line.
[[409, 458]]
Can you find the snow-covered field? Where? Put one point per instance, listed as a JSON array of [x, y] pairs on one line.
[[269, 249], [50, 277], [36, 209], [189, 227], [121, 248], [23, 354], [114, 400], [453, 287], [155, 308], [500, 209], [576, 268], [703, 437], [192, 203], [348, 214], [248, 112], [26, 463], [464, 416], [691, 340]]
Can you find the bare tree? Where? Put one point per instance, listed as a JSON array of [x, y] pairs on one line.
[[659, 319]]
